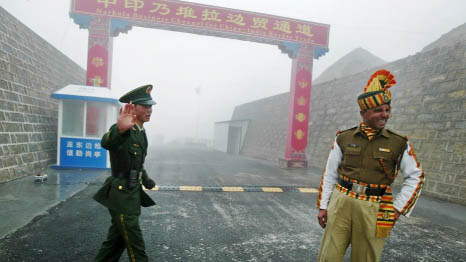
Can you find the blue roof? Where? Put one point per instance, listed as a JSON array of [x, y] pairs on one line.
[[86, 93]]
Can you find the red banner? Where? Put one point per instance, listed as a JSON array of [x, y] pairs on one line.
[[185, 14], [301, 110], [97, 66]]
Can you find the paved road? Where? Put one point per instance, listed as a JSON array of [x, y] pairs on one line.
[[222, 226]]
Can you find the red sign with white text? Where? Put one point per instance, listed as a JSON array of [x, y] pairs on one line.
[[212, 18]]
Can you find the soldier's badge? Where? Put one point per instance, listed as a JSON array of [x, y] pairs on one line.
[[385, 97], [387, 150], [149, 89]]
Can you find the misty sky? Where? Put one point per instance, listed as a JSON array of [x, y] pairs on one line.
[[232, 72]]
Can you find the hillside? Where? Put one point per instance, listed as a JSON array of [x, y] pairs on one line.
[[354, 62], [457, 34]]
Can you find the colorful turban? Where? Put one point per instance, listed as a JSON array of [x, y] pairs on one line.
[[376, 92]]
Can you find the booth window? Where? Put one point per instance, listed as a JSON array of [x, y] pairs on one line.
[[73, 116], [96, 119]]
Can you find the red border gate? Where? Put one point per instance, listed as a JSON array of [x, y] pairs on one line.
[[301, 40]]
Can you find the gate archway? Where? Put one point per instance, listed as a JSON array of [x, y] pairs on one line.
[[301, 40]]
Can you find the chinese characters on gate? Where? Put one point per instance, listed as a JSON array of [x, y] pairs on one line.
[[203, 16]]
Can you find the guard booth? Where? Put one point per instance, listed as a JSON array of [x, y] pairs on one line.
[[85, 114]]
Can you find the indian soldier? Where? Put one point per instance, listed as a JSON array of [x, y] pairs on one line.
[[355, 197]]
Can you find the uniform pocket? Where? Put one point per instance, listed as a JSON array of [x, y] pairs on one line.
[[386, 161], [122, 199], [136, 153], [119, 185], [383, 155], [135, 150], [352, 157]]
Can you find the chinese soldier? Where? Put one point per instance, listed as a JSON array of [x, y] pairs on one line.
[[122, 192]]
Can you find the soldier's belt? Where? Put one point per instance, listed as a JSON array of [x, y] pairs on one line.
[[120, 174], [361, 189]]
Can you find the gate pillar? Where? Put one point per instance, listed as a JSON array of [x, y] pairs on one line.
[[298, 108], [99, 52]]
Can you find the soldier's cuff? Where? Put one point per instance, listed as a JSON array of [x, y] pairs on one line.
[[112, 137]]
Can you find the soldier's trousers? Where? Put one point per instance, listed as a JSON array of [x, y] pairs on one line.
[[351, 221], [124, 232]]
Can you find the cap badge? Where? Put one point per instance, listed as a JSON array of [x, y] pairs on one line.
[[148, 90], [385, 97]]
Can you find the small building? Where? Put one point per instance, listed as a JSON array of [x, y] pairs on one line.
[[85, 113], [229, 135]]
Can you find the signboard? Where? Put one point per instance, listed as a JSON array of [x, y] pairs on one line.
[[301, 110], [186, 14], [82, 152], [97, 66]]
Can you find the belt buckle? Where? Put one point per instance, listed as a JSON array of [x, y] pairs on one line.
[[359, 189]]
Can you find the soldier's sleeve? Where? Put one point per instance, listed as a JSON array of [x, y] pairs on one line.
[[412, 184], [330, 176], [146, 180], [112, 139]]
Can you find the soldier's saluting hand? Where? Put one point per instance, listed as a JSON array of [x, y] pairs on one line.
[[126, 118]]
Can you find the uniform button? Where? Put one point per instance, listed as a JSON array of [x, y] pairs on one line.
[[120, 187]]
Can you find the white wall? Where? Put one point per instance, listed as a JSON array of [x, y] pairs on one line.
[[221, 136]]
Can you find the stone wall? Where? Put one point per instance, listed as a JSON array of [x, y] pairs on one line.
[[429, 106], [30, 70]]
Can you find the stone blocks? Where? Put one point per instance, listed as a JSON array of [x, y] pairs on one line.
[[28, 115], [429, 106]]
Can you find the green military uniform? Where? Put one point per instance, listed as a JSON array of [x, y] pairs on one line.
[[122, 195]]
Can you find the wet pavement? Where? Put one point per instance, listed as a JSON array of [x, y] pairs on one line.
[[23, 199], [225, 226]]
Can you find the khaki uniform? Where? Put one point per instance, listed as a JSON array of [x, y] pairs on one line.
[[352, 217], [355, 186], [361, 158]]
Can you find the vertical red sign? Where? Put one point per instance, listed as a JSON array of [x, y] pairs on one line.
[[301, 109], [97, 66]]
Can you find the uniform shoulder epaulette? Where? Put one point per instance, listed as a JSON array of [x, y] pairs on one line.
[[346, 130], [394, 133], [341, 132]]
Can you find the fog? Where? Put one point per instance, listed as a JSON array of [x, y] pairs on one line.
[[232, 72]]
